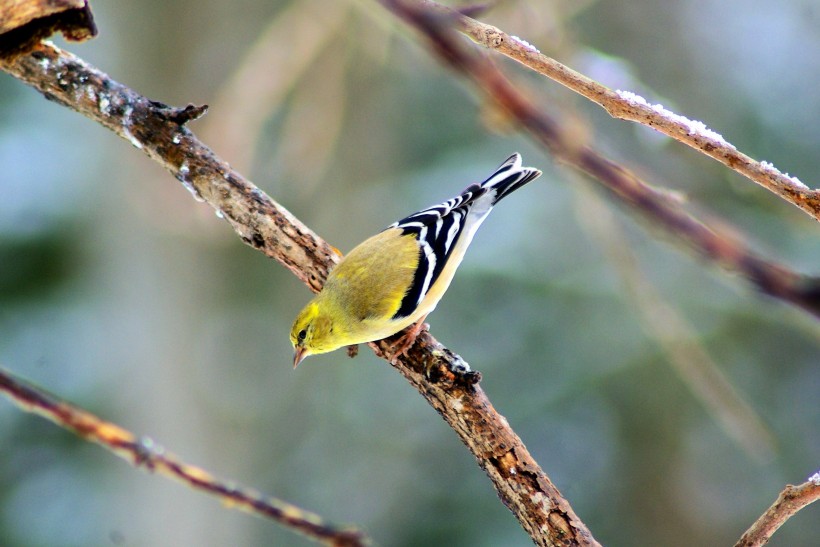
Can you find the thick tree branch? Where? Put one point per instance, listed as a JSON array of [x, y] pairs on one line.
[[714, 243], [157, 130], [791, 500], [627, 106], [142, 452], [268, 227]]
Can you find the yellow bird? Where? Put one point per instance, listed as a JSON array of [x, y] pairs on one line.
[[395, 278]]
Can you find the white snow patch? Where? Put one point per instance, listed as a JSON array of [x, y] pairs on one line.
[[105, 104], [126, 127], [525, 44], [182, 176], [148, 447], [131, 138], [176, 139], [815, 479], [460, 365], [772, 170], [190, 187], [693, 127]]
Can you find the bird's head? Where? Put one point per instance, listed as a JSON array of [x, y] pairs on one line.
[[312, 333]]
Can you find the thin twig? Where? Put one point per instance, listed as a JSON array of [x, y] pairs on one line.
[[143, 452], [627, 106], [264, 224], [714, 243], [791, 500]]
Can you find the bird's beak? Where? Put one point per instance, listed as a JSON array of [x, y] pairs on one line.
[[298, 355]]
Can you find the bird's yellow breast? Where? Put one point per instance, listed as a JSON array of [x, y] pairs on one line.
[[370, 282]]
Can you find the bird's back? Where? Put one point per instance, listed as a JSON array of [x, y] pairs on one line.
[[444, 232], [397, 277]]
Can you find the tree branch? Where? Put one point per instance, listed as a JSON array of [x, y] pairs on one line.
[[265, 225], [791, 500], [23, 23], [714, 243], [143, 452], [628, 106]]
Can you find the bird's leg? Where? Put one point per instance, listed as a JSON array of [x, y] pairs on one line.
[[406, 341], [353, 351]]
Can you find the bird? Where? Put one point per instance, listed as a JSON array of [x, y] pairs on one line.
[[396, 278]]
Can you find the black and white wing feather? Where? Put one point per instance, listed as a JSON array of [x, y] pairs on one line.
[[445, 230]]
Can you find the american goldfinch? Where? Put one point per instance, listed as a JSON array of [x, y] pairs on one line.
[[395, 278]]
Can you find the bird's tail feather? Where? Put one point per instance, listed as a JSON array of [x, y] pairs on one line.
[[509, 177], [472, 201]]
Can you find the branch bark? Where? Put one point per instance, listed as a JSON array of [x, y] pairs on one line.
[[159, 131], [791, 500], [143, 452], [714, 243], [627, 106], [267, 226]]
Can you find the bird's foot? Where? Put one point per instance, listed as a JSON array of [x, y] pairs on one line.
[[401, 346]]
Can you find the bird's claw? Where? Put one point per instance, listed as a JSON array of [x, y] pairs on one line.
[[401, 346]]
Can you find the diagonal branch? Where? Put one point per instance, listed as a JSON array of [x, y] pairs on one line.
[[628, 106], [264, 224], [142, 452], [791, 500], [713, 242]]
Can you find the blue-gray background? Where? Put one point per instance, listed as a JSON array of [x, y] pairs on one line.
[[123, 295]]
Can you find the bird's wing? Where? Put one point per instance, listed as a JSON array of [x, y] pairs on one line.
[[448, 227]]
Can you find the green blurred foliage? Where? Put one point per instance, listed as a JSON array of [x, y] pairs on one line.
[[123, 295]]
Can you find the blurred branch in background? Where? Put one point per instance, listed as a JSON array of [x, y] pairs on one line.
[[716, 244], [791, 500], [159, 131], [675, 336], [628, 106], [294, 41], [142, 452]]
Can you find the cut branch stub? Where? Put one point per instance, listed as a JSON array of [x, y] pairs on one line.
[[24, 23]]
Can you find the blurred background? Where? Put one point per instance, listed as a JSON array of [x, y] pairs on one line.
[[123, 295]]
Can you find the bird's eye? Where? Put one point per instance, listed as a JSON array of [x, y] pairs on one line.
[[301, 335]]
